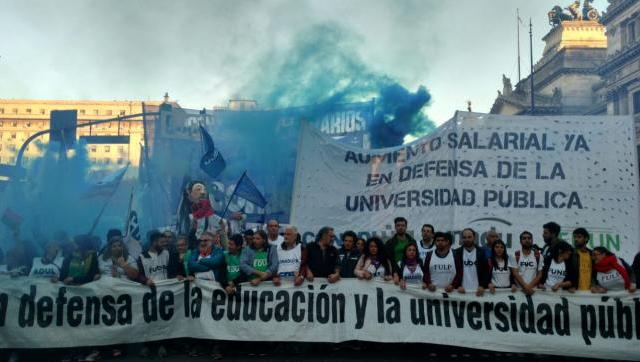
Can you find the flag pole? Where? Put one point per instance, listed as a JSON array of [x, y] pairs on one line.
[[126, 224], [233, 193]]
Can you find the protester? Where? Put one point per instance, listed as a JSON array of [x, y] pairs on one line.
[[259, 261], [558, 271], [499, 267], [374, 264], [399, 241], [360, 244], [248, 238], [273, 229], [550, 235], [475, 268], [322, 257], [348, 255], [409, 268], [610, 271], [426, 244], [441, 269], [491, 237], [292, 259], [582, 260], [207, 262], [49, 265], [184, 254], [527, 266], [158, 263], [81, 266], [232, 276], [116, 262]]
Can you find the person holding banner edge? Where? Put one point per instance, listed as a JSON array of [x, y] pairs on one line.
[[375, 264], [322, 257], [292, 259], [528, 263], [410, 268]]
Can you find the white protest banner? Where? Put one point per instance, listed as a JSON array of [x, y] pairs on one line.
[[511, 173], [39, 314]]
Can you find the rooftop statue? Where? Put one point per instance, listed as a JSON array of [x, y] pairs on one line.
[[558, 15]]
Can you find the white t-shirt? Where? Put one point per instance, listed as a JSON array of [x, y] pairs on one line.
[[157, 266], [377, 273], [279, 240], [528, 267], [42, 270], [557, 273], [413, 277], [470, 271], [289, 261], [500, 275], [611, 280], [422, 251], [109, 269], [442, 270]]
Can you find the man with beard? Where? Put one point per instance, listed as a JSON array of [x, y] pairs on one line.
[[582, 260], [441, 269], [395, 246], [426, 244], [475, 267], [527, 264], [550, 235]]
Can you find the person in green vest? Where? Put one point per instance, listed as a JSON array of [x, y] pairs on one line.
[[259, 261], [398, 242], [232, 275]]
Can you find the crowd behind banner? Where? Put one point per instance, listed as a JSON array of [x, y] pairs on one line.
[[259, 256]]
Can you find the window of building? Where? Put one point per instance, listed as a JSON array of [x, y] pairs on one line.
[[82, 111], [1, 110], [15, 110], [41, 111], [93, 149], [14, 124], [107, 148], [107, 161], [13, 136], [120, 149], [631, 32], [28, 124], [122, 112], [96, 112], [109, 112], [28, 110], [1, 124]]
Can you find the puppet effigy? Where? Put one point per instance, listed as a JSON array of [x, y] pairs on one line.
[[196, 213]]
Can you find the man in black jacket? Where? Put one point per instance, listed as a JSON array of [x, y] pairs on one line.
[[322, 257], [475, 267], [348, 256]]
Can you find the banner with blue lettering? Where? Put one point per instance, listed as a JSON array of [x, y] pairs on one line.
[[508, 173]]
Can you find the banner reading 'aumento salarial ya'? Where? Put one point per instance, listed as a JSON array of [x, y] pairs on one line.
[[39, 314], [481, 171]]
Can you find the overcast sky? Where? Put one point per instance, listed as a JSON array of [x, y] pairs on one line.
[[204, 52]]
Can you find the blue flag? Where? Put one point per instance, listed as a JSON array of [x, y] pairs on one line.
[[248, 191], [212, 162]]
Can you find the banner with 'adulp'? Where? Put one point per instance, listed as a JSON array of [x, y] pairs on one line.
[[509, 173]]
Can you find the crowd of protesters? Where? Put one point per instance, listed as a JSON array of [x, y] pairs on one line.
[[259, 256]]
